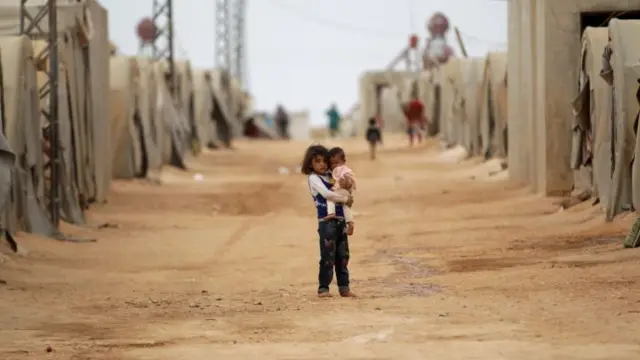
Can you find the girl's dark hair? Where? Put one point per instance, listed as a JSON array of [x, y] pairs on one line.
[[312, 151], [337, 151]]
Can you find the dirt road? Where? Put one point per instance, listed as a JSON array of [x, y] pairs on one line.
[[449, 263]]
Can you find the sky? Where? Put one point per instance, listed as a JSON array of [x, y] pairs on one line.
[[308, 54]]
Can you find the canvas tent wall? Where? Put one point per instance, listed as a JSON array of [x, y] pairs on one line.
[[226, 122], [90, 76], [448, 76], [466, 91], [185, 103], [74, 129], [592, 127], [543, 49], [493, 106], [203, 104], [21, 110], [169, 117], [625, 57], [123, 108], [150, 128]]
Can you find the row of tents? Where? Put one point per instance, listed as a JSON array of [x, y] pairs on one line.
[[465, 101], [605, 139], [117, 116]]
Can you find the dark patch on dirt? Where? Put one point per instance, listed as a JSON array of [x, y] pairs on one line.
[[485, 264], [409, 276], [569, 243]]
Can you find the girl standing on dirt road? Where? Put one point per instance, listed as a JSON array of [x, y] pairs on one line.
[[334, 242]]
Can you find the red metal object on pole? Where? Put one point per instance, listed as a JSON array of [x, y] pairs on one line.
[[147, 30], [413, 41]]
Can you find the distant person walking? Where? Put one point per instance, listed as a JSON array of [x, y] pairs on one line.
[[373, 136], [282, 122], [334, 120], [416, 120]]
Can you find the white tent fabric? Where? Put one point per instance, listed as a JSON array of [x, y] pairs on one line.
[[123, 102], [493, 106], [626, 172], [591, 155], [21, 110]]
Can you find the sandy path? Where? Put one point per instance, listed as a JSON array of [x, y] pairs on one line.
[[449, 263]]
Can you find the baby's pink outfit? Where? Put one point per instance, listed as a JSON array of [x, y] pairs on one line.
[[339, 173]]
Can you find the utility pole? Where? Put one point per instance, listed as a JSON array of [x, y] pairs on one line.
[[162, 46], [223, 35], [32, 26], [238, 43]]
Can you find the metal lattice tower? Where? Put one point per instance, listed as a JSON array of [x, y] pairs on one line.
[[223, 35], [238, 39], [35, 27], [162, 46]]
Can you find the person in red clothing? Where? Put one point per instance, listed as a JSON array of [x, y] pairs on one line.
[[416, 120]]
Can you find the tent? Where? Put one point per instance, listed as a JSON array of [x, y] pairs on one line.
[[203, 108], [227, 124], [592, 126], [624, 62], [7, 157], [173, 138], [493, 106], [124, 117], [466, 90], [151, 129], [84, 48], [448, 77], [186, 105], [21, 112]]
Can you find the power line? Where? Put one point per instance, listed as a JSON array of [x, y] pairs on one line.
[[332, 23], [372, 32]]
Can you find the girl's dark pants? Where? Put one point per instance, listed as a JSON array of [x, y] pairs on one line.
[[334, 253]]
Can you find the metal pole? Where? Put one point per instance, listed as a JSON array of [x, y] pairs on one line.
[[31, 26]]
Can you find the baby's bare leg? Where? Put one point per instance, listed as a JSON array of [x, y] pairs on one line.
[[348, 214]]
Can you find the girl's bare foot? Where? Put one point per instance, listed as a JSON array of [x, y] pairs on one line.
[[324, 294]]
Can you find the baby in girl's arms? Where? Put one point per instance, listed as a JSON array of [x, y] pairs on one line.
[[340, 172]]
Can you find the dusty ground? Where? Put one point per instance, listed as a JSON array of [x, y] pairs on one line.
[[449, 263]]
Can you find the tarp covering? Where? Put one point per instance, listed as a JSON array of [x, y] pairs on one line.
[[22, 130], [493, 106], [185, 102], [626, 173], [123, 102], [448, 79], [174, 136], [467, 89], [592, 127], [81, 23], [151, 119], [203, 106]]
